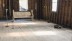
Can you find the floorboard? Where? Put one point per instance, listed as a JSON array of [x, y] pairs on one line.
[[27, 30]]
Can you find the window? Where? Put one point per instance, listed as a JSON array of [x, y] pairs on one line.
[[23, 5], [54, 5]]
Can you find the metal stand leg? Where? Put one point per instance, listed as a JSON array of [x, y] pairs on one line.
[[7, 18], [9, 12], [13, 20], [32, 17]]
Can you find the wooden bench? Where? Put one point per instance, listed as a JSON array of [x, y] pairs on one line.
[[27, 14]]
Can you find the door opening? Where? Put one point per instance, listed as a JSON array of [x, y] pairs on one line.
[[23, 5]]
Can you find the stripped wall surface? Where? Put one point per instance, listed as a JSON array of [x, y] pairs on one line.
[[16, 5], [1, 8], [63, 16]]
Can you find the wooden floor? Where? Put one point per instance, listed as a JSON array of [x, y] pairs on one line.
[[26, 30]]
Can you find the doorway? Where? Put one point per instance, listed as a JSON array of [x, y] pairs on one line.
[[23, 5]]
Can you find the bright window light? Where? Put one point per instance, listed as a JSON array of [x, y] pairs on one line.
[[23, 5], [42, 33], [54, 5], [29, 33]]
